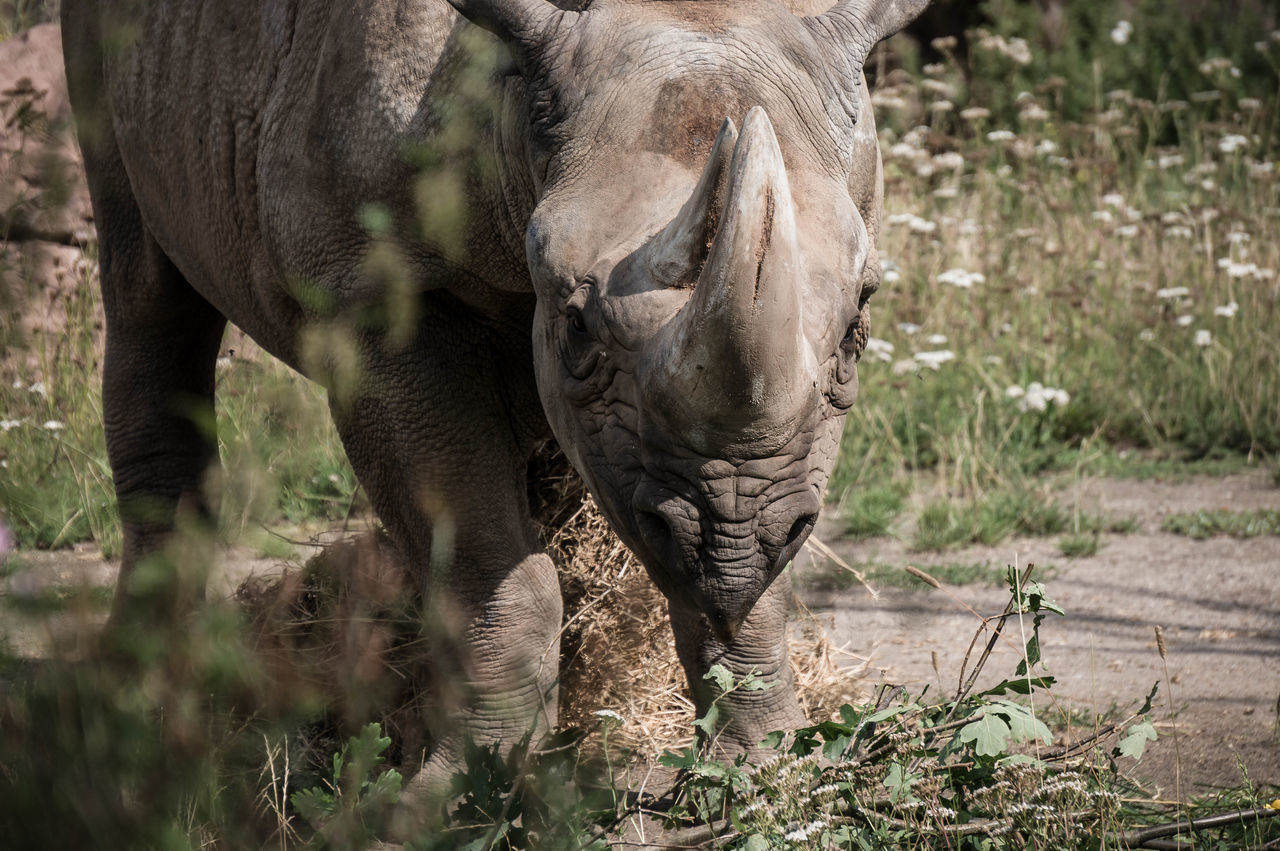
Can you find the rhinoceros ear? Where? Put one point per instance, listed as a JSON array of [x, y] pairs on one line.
[[516, 22], [856, 26]]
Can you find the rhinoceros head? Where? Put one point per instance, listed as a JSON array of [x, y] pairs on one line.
[[703, 244]]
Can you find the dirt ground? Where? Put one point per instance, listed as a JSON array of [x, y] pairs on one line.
[[1218, 602]]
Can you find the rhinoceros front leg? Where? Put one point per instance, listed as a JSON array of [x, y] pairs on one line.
[[760, 648], [440, 434]]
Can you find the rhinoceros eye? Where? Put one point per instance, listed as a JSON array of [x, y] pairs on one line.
[[577, 324], [850, 335]]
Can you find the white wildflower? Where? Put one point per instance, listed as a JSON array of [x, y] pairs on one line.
[[1262, 169], [936, 339], [908, 328], [1227, 310], [1121, 31], [961, 278], [1046, 147], [1038, 397], [1241, 270], [17, 384], [890, 275], [1167, 161], [946, 193], [1015, 391], [1231, 143], [1203, 338], [53, 425], [918, 225], [1250, 104], [934, 359], [608, 715], [1237, 237], [903, 151], [1208, 184], [975, 113], [904, 366], [1113, 199], [1179, 232], [1128, 231], [1001, 136], [1146, 335], [884, 100], [1034, 112], [949, 160], [39, 389], [881, 350], [5, 425], [1184, 320], [1101, 216], [941, 106]]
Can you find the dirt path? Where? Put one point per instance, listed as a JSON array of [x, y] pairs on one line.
[[1218, 602]]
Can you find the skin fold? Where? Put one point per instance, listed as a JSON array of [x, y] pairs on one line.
[[646, 228]]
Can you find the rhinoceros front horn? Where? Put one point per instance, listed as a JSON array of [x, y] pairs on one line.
[[733, 358]]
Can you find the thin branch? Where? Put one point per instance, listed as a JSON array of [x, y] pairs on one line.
[[1140, 838]]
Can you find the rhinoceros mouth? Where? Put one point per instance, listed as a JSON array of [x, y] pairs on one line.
[[722, 568]]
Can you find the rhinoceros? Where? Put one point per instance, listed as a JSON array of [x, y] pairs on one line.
[[664, 231]]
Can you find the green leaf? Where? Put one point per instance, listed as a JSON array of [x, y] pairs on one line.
[[756, 842], [384, 790], [889, 712], [314, 805], [773, 740], [707, 723], [836, 746], [1134, 741], [1023, 725], [753, 682], [1019, 685], [851, 715], [898, 781], [989, 734], [721, 676], [686, 758], [1151, 695]]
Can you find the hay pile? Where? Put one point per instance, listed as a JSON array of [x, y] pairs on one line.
[[342, 630]]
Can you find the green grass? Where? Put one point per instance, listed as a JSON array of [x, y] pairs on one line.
[[871, 513], [944, 524], [1080, 545], [879, 574], [1209, 523]]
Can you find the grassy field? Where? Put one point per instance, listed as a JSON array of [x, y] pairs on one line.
[[1082, 277]]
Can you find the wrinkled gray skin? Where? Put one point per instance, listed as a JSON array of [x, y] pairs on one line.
[[670, 220]]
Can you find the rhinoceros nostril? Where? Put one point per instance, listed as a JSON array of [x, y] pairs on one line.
[[796, 535], [656, 530]]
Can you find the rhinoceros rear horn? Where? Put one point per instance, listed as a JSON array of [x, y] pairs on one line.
[[516, 22], [676, 254], [856, 26]]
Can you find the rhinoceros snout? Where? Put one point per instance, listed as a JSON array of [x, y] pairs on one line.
[[720, 564]]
